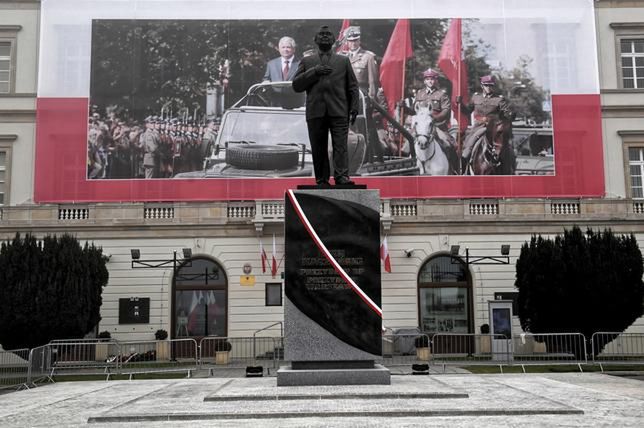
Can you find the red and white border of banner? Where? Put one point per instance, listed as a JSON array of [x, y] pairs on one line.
[[327, 254]]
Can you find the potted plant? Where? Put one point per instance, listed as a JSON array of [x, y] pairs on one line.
[[486, 339], [162, 345], [423, 351], [102, 345], [222, 351]]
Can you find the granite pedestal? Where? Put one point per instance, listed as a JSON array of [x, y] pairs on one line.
[[332, 316]]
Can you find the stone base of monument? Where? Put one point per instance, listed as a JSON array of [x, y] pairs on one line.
[[377, 375], [319, 358]]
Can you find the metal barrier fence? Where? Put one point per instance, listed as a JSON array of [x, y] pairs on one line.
[[158, 355], [98, 356], [39, 365], [617, 348], [108, 357], [471, 349], [240, 352], [405, 349], [549, 348], [14, 368], [524, 349]]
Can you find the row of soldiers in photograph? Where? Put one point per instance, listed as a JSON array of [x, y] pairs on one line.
[[158, 148]]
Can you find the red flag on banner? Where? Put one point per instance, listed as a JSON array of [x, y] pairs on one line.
[[392, 69], [274, 260], [451, 62], [343, 46], [384, 255], [263, 256]]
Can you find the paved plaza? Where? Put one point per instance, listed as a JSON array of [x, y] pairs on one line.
[[454, 400]]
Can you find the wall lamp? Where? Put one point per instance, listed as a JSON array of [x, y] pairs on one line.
[[470, 259], [160, 264]]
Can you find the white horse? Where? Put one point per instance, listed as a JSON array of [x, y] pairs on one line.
[[430, 157]]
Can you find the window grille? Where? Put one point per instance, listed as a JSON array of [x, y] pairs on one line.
[[632, 57]]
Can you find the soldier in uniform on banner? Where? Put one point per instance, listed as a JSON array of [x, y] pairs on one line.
[[440, 107], [150, 141], [486, 105], [365, 68]]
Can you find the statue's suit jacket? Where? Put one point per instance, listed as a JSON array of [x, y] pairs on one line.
[[274, 69], [333, 95]]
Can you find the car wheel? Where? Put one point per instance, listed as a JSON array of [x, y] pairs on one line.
[[262, 157]]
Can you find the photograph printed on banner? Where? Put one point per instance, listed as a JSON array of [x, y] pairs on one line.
[[213, 98]]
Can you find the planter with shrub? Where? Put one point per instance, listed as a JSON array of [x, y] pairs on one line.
[[162, 345], [222, 351], [423, 350], [486, 339]]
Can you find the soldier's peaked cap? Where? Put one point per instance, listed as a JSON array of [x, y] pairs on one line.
[[353, 33], [430, 72], [488, 80]]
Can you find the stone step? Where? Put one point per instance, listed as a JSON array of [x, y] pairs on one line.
[[169, 417]]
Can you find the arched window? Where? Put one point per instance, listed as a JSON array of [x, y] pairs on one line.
[[445, 296], [200, 299]]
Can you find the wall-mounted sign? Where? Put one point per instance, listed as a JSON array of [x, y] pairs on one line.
[[135, 310], [247, 280]]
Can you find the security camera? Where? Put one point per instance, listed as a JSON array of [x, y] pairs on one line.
[[409, 252]]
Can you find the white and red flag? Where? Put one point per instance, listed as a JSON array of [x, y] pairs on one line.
[[274, 260], [343, 46], [263, 256], [384, 255]]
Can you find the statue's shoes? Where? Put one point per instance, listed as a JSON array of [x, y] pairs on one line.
[[343, 181]]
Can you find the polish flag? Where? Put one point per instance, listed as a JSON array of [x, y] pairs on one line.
[[263, 256], [274, 260], [384, 255], [343, 46]]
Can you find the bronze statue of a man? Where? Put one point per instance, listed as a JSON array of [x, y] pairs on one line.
[[331, 103]]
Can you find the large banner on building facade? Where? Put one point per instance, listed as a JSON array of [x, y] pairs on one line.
[[190, 100]]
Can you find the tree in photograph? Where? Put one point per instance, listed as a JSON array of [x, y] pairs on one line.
[[580, 283], [49, 289]]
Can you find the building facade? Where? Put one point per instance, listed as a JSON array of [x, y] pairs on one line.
[[425, 289]]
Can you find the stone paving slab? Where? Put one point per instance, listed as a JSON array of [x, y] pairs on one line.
[[604, 401]]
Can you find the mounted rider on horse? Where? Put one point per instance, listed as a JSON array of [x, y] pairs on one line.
[[493, 120], [440, 106]]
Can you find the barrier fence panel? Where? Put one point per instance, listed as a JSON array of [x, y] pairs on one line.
[[98, 356], [469, 348], [240, 352], [405, 349], [14, 368], [617, 347], [549, 348], [39, 365], [158, 356]]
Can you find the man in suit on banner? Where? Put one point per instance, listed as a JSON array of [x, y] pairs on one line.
[[331, 103], [282, 68]]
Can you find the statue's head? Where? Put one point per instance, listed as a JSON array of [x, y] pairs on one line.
[[324, 38]]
